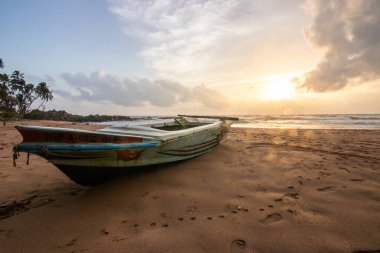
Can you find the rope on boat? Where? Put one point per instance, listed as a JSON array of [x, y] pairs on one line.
[[15, 156]]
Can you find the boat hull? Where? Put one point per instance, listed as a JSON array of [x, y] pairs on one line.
[[95, 162], [91, 176]]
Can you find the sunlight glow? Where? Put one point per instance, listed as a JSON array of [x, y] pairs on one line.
[[278, 90]]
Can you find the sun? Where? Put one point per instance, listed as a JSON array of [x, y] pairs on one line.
[[278, 90]]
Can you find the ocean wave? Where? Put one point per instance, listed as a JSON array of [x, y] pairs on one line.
[[312, 121]]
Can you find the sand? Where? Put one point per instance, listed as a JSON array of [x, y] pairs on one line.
[[261, 191]]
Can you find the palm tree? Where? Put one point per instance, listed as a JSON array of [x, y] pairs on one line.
[[17, 96], [43, 93]]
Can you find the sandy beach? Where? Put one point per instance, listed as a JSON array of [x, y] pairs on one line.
[[262, 191]]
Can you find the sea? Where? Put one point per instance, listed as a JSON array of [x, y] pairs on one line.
[[312, 121], [330, 121]]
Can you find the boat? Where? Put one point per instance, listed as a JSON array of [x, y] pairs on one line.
[[91, 157]]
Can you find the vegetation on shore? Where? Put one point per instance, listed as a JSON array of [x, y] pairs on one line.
[[17, 96], [65, 116]]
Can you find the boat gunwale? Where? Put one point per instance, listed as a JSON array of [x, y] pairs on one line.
[[32, 146], [73, 130], [150, 141], [166, 135], [148, 132]]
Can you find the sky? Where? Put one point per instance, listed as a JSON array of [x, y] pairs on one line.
[[219, 57]]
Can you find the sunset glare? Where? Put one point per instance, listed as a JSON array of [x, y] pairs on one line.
[[278, 90], [170, 57]]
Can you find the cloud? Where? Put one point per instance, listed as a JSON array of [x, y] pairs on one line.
[[210, 98], [349, 34], [38, 79], [99, 86], [190, 35]]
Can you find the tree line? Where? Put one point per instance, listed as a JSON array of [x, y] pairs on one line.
[[17, 96]]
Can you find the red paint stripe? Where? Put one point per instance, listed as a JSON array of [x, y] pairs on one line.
[[35, 135]]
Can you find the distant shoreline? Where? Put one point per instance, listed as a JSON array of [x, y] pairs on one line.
[[306, 121]]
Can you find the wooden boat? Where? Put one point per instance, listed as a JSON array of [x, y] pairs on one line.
[[91, 157]]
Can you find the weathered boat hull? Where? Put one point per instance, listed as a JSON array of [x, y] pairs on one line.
[[91, 157], [90, 176]]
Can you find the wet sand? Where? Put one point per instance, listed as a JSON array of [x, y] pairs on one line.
[[261, 191]]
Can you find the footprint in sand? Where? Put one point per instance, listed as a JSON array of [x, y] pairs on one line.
[[291, 195], [345, 169], [239, 246], [356, 180], [271, 218], [324, 174], [104, 232], [326, 189], [71, 243], [292, 211]]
